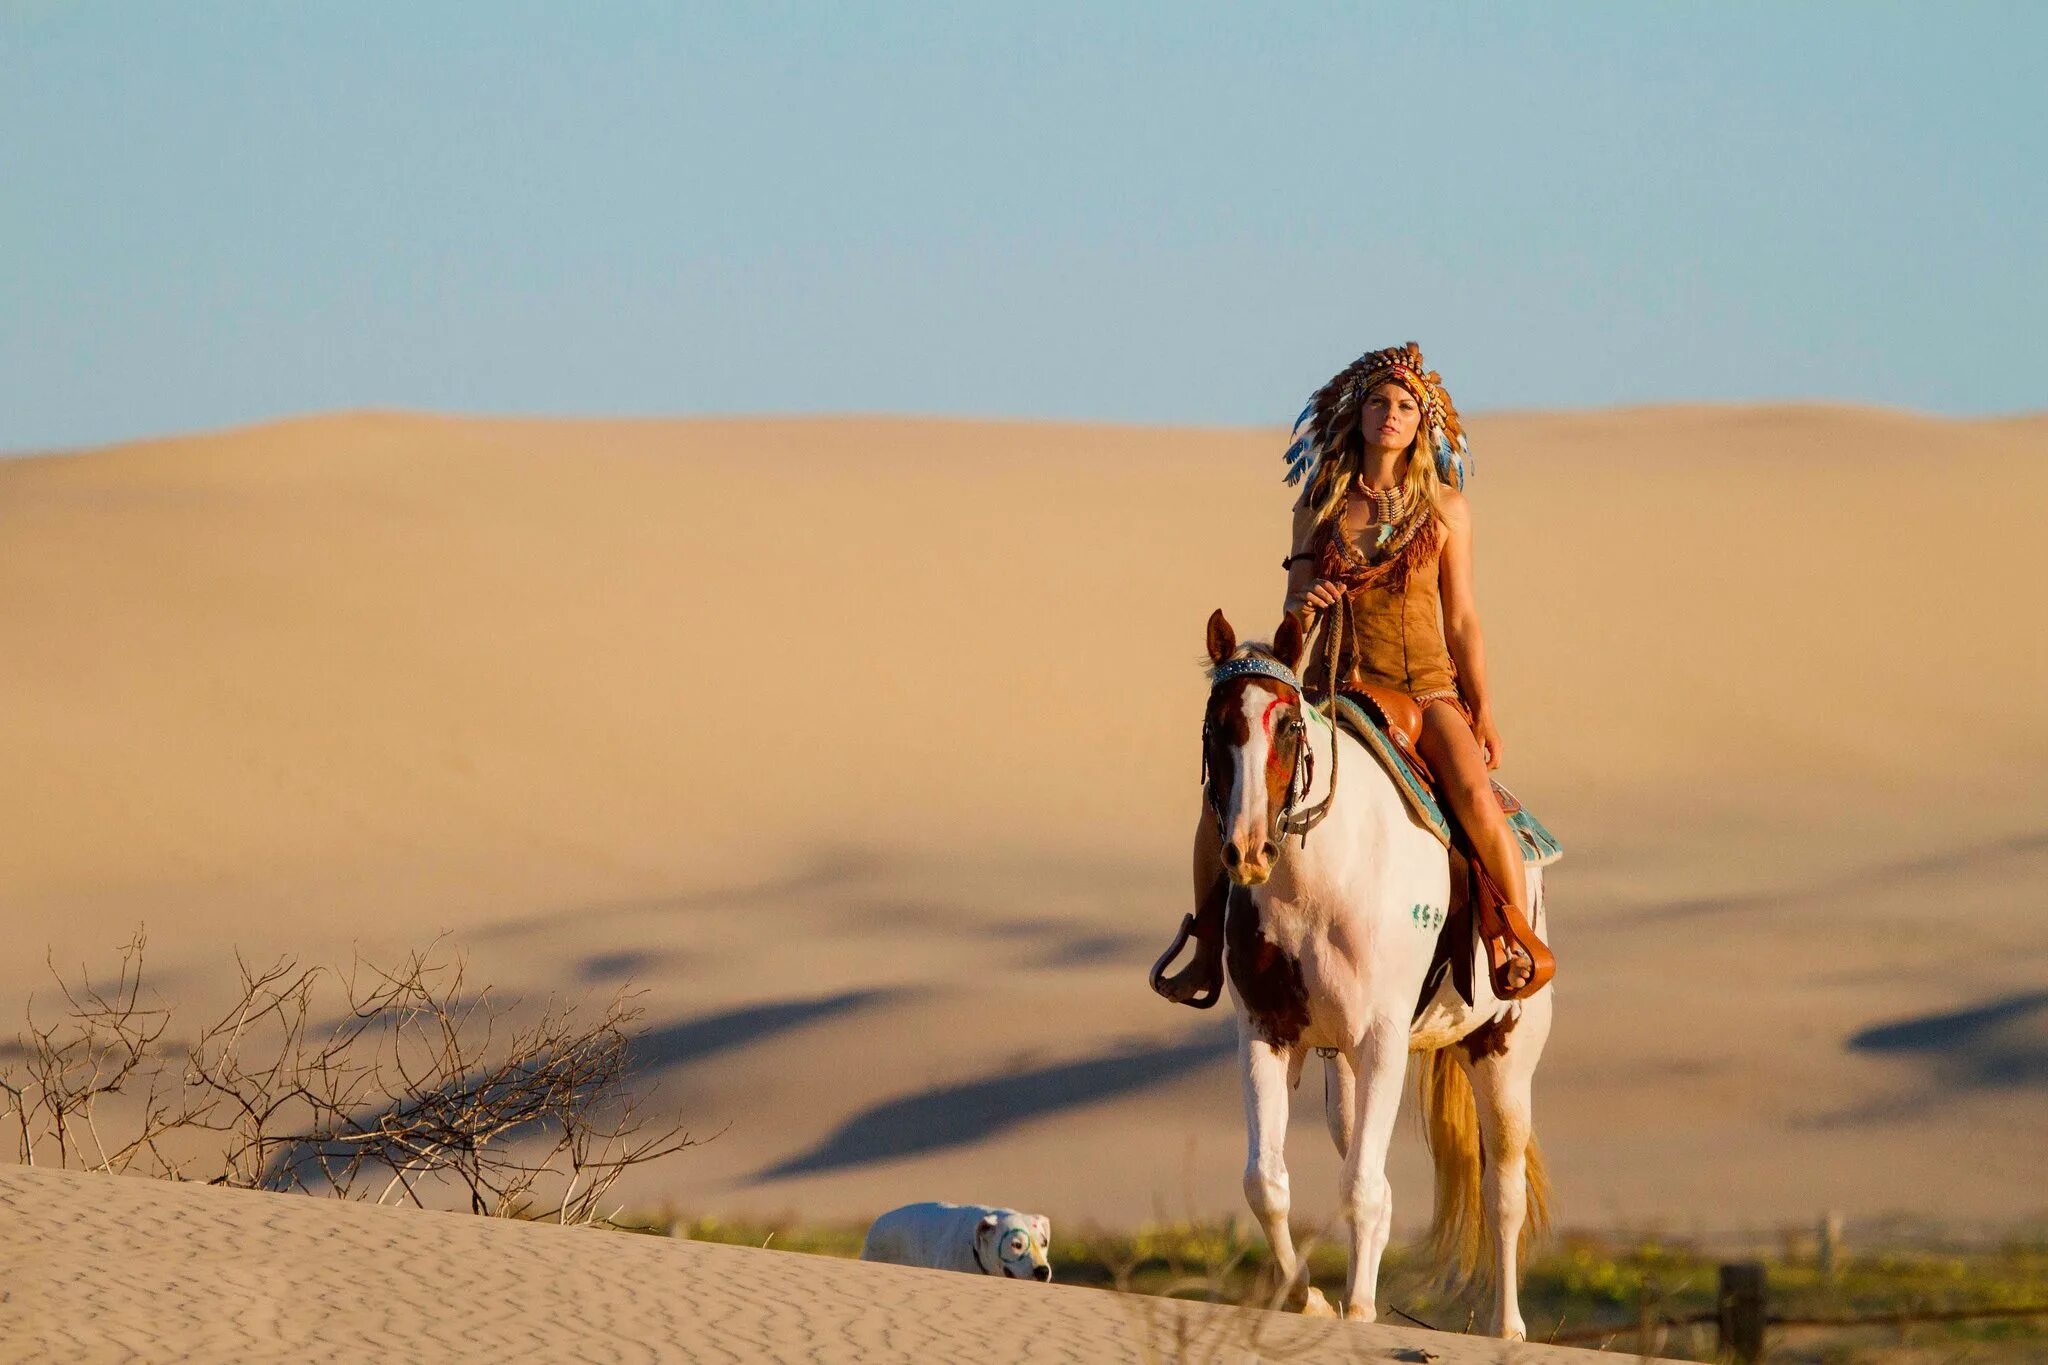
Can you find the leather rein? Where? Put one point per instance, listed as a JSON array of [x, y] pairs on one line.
[[1287, 819]]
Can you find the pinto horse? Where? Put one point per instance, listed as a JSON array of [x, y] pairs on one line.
[[1329, 936]]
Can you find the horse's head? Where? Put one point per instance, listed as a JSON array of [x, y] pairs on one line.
[[1256, 762]]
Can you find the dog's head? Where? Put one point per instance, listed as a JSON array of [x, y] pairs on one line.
[[1018, 1245]]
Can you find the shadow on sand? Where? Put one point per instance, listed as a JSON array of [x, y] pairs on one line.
[[692, 1040], [2001, 1043], [956, 1115], [1878, 877]]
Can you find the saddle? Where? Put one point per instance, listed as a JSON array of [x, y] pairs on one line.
[[1399, 715]]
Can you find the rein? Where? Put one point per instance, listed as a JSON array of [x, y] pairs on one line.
[[1287, 820]]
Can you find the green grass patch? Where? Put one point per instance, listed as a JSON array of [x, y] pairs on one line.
[[1577, 1282]]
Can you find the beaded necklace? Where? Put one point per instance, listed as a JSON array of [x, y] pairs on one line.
[[1388, 504], [1389, 507]]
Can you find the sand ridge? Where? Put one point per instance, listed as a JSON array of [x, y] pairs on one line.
[[101, 1268]]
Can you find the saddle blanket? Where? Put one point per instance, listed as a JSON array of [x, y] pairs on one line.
[[1539, 846]]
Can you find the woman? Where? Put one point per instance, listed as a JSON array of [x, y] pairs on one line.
[[1382, 550]]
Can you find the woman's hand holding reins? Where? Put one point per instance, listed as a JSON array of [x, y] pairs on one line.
[[1324, 594]]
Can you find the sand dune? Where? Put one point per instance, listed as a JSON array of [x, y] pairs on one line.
[[869, 748], [261, 1277]]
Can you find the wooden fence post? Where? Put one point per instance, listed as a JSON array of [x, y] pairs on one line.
[[1742, 1311], [1829, 1256]]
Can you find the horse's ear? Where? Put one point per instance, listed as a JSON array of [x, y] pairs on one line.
[[1222, 639], [1288, 646]]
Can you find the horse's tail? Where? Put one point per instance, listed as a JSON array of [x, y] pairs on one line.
[[1450, 1123], [1457, 1245]]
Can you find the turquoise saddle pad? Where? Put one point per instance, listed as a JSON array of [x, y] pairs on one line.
[[1539, 845]]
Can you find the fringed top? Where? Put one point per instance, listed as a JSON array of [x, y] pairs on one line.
[[1392, 612], [1404, 545]]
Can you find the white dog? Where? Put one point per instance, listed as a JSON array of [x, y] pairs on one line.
[[969, 1237]]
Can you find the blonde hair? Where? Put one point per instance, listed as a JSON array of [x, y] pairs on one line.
[[1342, 463]]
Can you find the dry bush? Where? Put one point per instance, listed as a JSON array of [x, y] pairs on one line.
[[364, 1082], [54, 1087]]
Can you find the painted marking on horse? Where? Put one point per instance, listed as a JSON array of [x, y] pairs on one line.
[[1430, 917], [1230, 724]]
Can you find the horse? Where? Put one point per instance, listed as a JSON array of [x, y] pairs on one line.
[[1329, 938]]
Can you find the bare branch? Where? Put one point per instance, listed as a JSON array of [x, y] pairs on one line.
[[361, 1082]]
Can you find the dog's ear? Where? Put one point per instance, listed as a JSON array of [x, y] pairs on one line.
[[1222, 639], [1044, 1226]]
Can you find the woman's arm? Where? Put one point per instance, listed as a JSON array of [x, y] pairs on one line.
[[1301, 576], [1461, 621], [1304, 590]]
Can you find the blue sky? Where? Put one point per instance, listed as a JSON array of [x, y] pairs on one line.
[[1191, 213]]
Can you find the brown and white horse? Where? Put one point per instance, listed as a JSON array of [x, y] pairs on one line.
[[1328, 943]]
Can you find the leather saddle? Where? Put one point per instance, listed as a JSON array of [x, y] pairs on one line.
[[1400, 717]]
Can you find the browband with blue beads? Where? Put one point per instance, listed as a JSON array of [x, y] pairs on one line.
[[1254, 666]]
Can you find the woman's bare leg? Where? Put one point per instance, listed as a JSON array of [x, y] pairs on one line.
[[1202, 979], [1208, 854], [1461, 779], [1453, 754]]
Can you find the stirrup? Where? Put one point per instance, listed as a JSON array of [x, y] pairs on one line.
[[1500, 957], [1501, 923], [1167, 987]]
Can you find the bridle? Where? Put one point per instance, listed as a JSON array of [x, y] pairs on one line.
[[1286, 820]]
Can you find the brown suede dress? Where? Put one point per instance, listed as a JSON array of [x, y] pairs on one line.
[[1396, 637]]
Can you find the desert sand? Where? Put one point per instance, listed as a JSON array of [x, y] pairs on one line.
[[104, 1268], [868, 748]]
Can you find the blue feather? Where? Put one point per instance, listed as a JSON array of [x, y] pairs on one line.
[[1302, 458], [1453, 462], [1305, 453]]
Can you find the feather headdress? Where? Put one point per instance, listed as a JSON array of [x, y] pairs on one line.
[[1334, 407]]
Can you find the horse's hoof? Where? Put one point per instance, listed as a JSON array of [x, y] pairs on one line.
[[1359, 1312], [1316, 1306]]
